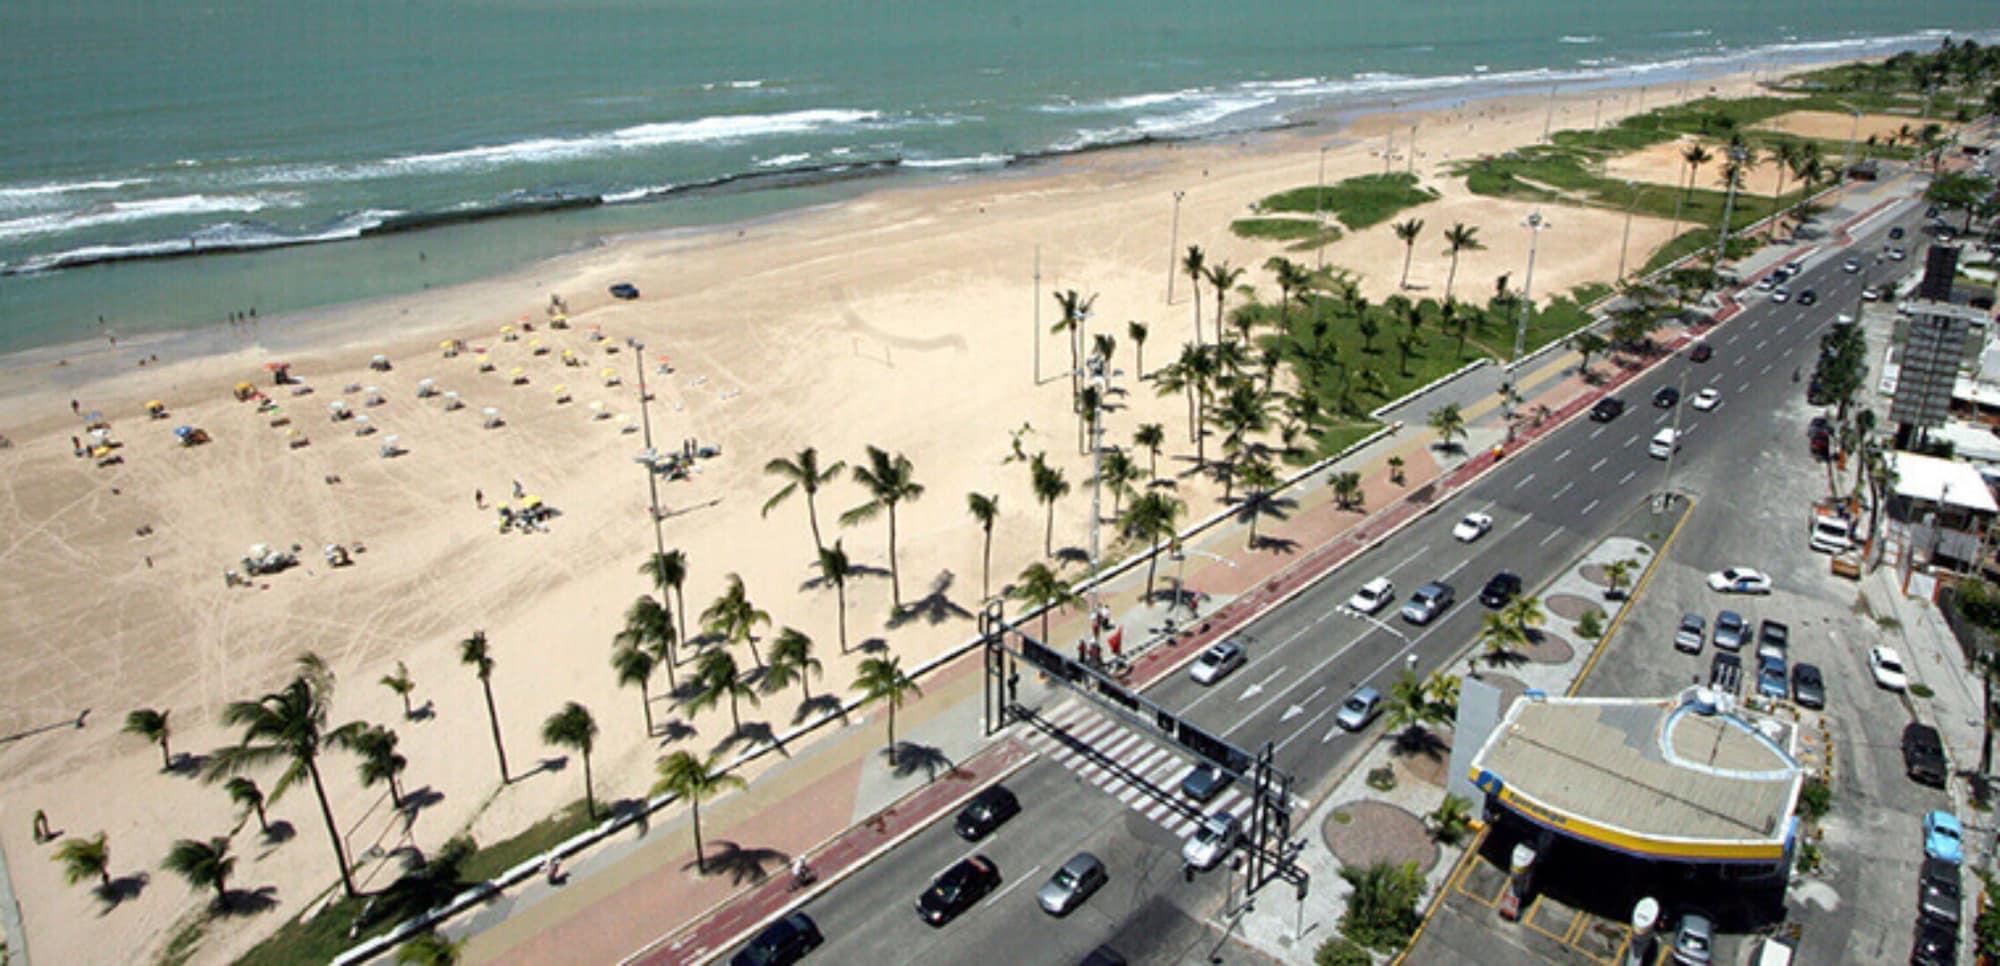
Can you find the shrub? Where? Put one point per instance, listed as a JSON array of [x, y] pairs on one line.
[[1591, 626], [1382, 909], [1815, 799], [1921, 691], [1341, 951], [1382, 779]]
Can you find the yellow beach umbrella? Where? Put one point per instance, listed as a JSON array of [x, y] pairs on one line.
[[519, 375], [530, 502], [485, 362]]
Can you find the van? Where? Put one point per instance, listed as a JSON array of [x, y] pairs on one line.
[[1663, 445]]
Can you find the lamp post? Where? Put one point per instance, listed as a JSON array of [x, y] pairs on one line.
[[1549, 117], [1035, 333], [1667, 483], [1101, 375], [1174, 243], [1847, 159], [1412, 166], [1737, 155], [1535, 224], [1627, 239], [646, 421], [1319, 211]]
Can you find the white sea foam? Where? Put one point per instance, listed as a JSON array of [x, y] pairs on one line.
[[739, 85], [119, 212], [24, 193], [782, 160], [634, 194], [1580, 39], [975, 161], [227, 236]]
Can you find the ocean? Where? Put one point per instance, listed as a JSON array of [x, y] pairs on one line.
[[166, 164]]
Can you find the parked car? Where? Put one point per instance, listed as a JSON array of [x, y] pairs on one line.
[[1694, 941], [786, 941], [1073, 883], [1923, 755], [957, 888], [1896, 253], [625, 290], [1730, 627], [1725, 672], [1360, 708], [1739, 580], [1939, 896], [1808, 688], [1782, 293], [1212, 840], [1205, 781], [1808, 297], [1707, 399], [1771, 681], [1689, 635], [1501, 590], [1474, 526], [1850, 265], [1429, 601], [1607, 409], [987, 811], [1770, 281], [1773, 639], [1936, 945], [1373, 596], [1215, 663], [1887, 667], [1943, 837], [1702, 352]]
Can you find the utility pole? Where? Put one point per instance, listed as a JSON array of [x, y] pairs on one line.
[[1102, 376], [1847, 158], [1737, 155], [1667, 485], [1173, 247], [1596, 113], [1535, 225], [646, 420], [1035, 334], [1550, 117], [1388, 150], [1319, 211], [1627, 239], [1412, 168]]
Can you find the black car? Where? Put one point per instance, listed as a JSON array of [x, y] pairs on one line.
[[956, 889], [1726, 672], [1607, 409], [1702, 352], [1808, 297], [625, 290], [786, 941], [1773, 635], [1808, 688], [1938, 894], [1501, 590], [1104, 956], [987, 811], [1666, 397], [1936, 945], [1923, 755], [1205, 782], [1895, 233]]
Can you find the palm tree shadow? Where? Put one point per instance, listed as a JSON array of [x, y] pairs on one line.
[[1504, 659], [121, 890], [910, 758], [1281, 545], [551, 765], [742, 865], [1073, 555], [854, 570], [1417, 740], [935, 607], [418, 799], [819, 706], [188, 764], [635, 808], [685, 692], [675, 730], [754, 733], [247, 902], [873, 645], [280, 832]]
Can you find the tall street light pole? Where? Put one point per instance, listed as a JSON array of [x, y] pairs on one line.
[[1667, 484], [1627, 239], [1535, 224], [1549, 118], [1100, 373], [1319, 211], [1737, 155], [1035, 334], [1174, 246], [646, 421]]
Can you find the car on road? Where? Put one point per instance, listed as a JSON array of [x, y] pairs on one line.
[[1501, 590], [1808, 297], [1373, 596], [1725, 672], [786, 941], [1694, 941], [1896, 233], [1706, 399], [1940, 896], [1808, 687], [1666, 397], [1771, 681], [1205, 781], [1664, 444], [1702, 352], [1739, 580], [1607, 409], [1474, 526], [987, 811], [1923, 755], [1782, 293], [1896, 253], [1770, 281], [1215, 663], [1942, 837], [1850, 265], [1104, 956], [1360, 708], [1429, 601], [1730, 628], [1691, 632], [625, 291], [1073, 883], [1773, 639], [1936, 945], [957, 888], [1887, 668], [1212, 840]]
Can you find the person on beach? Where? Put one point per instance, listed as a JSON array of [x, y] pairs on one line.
[[518, 492], [42, 832], [479, 499]]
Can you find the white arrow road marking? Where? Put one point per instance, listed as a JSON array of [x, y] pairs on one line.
[[1258, 688]]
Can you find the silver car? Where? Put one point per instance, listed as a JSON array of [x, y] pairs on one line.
[[1430, 600], [1212, 840], [1215, 663], [1690, 635], [1073, 883], [1360, 708], [1694, 942]]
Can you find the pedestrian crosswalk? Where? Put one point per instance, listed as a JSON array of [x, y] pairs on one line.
[[1141, 773]]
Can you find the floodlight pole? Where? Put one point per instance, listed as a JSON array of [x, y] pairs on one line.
[[646, 420], [1737, 155], [1319, 211], [1535, 224], [1174, 246]]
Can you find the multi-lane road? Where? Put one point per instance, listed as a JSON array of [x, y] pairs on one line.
[[1550, 503]]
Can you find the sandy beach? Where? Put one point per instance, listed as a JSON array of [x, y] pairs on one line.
[[900, 320]]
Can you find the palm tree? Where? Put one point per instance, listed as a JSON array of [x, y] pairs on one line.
[[1075, 312], [1039, 586], [1410, 709], [85, 859], [205, 865], [1526, 613], [1102, 346], [1152, 436], [1260, 479], [1785, 155], [1695, 155], [716, 675], [1192, 263], [1178, 377], [1346, 488], [1407, 232], [667, 570], [694, 780], [1203, 368], [882, 679], [1500, 636], [247, 796], [1451, 820], [152, 726], [430, 949], [1615, 575], [1117, 473], [573, 727], [835, 568], [984, 508], [1223, 276], [1049, 486], [1448, 423], [290, 725], [1587, 343], [380, 762], [802, 474], [1396, 470], [889, 480], [400, 683], [1137, 331], [1153, 516], [1460, 238], [1292, 278], [733, 618], [634, 666], [791, 659], [1088, 403], [649, 629], [473, 653], [1443, 690]]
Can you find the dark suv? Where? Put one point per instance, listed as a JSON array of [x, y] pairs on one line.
[[986, 812], [1501, 590], [1666, 397], [1607, 409], [784, 941], [1923, 755], [1726, 672]]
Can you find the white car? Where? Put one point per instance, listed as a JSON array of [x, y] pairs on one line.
[[1373, 596], [1782, 293], [1212, 840], [1707, 399], [1887, 668], [1215, 663], [1472, 527], [1739, 580]]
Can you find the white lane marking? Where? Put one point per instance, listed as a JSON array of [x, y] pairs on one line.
[[1592, 505], [1302, 729], [1765, 371], [1557, 495], [1030, 874], [1731, 340], [1461, 566], [1761, 343], [1560, 456], [1518, 523], [1781, 329], [1629, 440], [1745, 387], [1530, 478], [1712, 380], [1552, 535], [1627, 478], [1599, 431], [1600, 463]]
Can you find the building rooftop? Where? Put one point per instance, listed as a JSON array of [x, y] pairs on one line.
[[1662, 778], [1935, 480]]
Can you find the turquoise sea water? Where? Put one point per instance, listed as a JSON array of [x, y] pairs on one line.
[[139, 128]]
